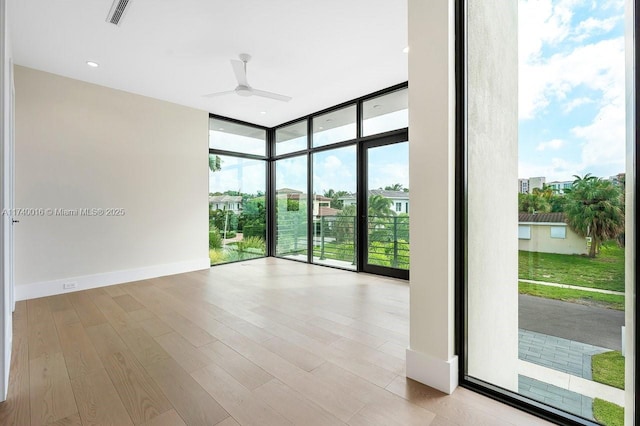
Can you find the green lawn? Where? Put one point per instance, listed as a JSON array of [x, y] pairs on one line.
[[608, 368], [607, 413], [606, 271], [569, 295]]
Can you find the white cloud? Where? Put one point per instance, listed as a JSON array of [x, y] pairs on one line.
[[597, 66], [332, 163], [553, 144], [575, 103], [593, 26], [604, 138]]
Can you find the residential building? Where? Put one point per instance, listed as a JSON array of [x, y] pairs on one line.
[[618, 179], [523, 186], [321, 204], [226, 202], [526, 186], [559, 187], [399, 200], [549, 233]]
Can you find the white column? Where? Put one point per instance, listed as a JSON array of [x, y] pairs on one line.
[[492, 201], [493, 133], [430, 357]]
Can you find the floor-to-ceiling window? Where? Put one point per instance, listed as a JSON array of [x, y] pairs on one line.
[[334, 207], [335, 185], [237, 191], [291, 231], [342, 187], [545, 192]]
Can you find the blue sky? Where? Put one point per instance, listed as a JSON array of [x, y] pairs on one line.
[[571, 88]]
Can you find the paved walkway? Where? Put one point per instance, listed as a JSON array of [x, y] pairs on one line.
[[555, 396], [574, 287], [557, 371], [557, 353]]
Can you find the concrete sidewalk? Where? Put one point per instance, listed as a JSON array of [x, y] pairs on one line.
[[557, 372]]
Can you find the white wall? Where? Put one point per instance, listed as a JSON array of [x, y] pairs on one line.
[[492, 216], [430, 357], [80, 145], [5, 222]]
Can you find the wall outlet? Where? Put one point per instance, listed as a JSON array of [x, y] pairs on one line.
[[69, 286]]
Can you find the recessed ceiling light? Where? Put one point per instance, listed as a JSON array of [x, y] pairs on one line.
[[93, 64], [263, 112], [220, 128], [376, 106], [405, 50], [329, 120], [320, 127]]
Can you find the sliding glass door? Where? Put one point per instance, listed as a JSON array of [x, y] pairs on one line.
[[385, 225]]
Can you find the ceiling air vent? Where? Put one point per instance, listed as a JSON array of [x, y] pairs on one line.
[[118, 9]]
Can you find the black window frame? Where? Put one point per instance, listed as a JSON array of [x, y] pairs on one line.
[[360, 142], [513, 399]]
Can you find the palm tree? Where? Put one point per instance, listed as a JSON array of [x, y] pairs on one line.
[[380, 206], [533, 203], [595, 209], [394, 187]]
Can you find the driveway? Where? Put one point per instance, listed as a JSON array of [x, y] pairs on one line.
[[587, 324]]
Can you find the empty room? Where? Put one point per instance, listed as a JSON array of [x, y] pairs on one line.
[[292, 213]]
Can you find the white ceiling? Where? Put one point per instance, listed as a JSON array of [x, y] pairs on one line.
[[320, 52]]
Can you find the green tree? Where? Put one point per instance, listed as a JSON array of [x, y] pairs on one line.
[[533, 203], [380, 206], [345, 225], [595, 208], [557, 202], [215, 163], [394, 187], [335, 196]]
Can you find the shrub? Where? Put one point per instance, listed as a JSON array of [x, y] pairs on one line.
[[255, 243], [215, 240], [254, 230]]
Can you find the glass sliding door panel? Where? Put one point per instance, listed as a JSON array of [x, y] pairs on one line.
[[334, 207], [388, 206], [291, 208], [237, 213]]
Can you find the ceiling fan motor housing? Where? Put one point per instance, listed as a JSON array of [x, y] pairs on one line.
[[243, 90]]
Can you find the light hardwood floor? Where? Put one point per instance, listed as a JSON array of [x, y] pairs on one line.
[[265, 342]]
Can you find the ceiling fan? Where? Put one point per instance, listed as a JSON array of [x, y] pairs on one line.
[[243, 88]]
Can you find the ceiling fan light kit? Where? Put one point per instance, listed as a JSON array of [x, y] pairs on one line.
[[243, 88]]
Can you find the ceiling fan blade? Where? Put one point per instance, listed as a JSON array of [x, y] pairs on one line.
[[240, 71], [213, 95], [270, 95]]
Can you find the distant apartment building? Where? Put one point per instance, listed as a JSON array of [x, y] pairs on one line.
[[560, 186], [525, 186], [617, 179]]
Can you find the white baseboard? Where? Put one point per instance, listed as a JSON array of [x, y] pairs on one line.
[[85, 282], [433, 372]]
